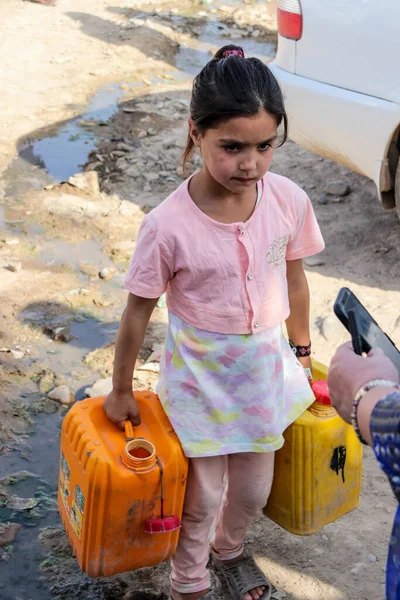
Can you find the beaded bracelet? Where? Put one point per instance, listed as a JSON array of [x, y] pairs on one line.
[[300, 351], [360, 394]]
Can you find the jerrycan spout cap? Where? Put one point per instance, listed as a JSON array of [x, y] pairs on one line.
[[321, 392], [139, 454]]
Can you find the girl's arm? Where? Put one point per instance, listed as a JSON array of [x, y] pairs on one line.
[[121, 405], [298, 322]]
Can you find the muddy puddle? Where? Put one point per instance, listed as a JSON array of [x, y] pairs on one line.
[[36, 474], [58, 153], [61, 152], [52, 156]]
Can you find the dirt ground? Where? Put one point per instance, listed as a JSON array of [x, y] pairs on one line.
[[103, 87]]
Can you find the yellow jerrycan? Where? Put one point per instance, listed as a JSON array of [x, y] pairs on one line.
[[318, 470], [120, 494]]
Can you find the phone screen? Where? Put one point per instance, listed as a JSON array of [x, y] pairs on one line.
[[369, 332]]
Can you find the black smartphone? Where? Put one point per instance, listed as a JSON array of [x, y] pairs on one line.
[[365, 331]]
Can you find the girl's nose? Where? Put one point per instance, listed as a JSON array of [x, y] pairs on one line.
[[248, 163]]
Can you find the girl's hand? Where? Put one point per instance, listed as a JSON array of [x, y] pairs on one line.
[[121, 406], [348, 372]]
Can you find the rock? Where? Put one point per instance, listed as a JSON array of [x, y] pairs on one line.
[[106, 274], [121, 164], [128, 208], [102, 387], [323, 199], [89, 123], [152, 131], [88, 269], [62, 394], [338, 188], [8, 533], [151, 176], [59, 333], [339, 200], [256, 33], [131, 172], [153, 367], [14, 267], [358, 567], [46, 382], [62, 334], [125, 147], [11, 241], [147, 188], [382, 250], [88, 182], [314, 261], [372, 558], [17, 354], [122, 250], [77, 207]]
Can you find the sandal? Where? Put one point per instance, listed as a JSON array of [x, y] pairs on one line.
[[244, 576]]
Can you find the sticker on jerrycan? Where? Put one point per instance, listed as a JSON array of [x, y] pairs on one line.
[[76, 515], [65, 480]]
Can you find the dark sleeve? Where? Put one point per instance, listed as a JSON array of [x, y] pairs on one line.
[[385, 433]]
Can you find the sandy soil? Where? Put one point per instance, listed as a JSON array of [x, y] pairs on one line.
[[55, 241]]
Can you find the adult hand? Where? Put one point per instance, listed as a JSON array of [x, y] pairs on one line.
[[348, 372]]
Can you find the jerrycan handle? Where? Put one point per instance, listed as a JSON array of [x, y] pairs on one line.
[[129, 431]]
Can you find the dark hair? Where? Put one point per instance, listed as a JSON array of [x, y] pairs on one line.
[[229, 86]]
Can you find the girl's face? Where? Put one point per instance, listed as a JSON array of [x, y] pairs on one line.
[[238, 152]]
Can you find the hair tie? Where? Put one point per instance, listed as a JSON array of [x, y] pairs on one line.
[[230, 52]]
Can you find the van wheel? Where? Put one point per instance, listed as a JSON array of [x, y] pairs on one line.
[[397, 189]]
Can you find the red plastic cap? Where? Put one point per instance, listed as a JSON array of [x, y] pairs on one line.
[[321, 392], [158, 525]]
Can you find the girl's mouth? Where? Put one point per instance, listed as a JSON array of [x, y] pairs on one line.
[[244, 179]]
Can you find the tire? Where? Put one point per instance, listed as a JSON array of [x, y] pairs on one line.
[[397, 189]]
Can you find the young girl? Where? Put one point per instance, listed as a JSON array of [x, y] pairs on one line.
[[227, 247]]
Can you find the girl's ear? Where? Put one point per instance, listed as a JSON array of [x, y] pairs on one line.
[[194, 133]]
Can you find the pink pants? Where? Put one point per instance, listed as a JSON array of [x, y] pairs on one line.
[[232, 505]]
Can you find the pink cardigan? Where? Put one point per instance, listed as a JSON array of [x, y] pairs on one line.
[[225, 278]]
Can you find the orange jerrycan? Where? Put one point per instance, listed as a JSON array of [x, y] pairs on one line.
[[120, 494], [318, 470]]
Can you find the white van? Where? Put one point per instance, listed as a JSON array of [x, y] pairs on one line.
[[338, 66]]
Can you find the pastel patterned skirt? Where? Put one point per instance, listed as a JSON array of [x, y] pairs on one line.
[[230, 393]]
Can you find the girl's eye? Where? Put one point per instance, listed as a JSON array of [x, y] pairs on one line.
[[265, 146], [232, 148]]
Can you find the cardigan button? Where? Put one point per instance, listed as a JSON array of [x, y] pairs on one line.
[[256, 324]]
